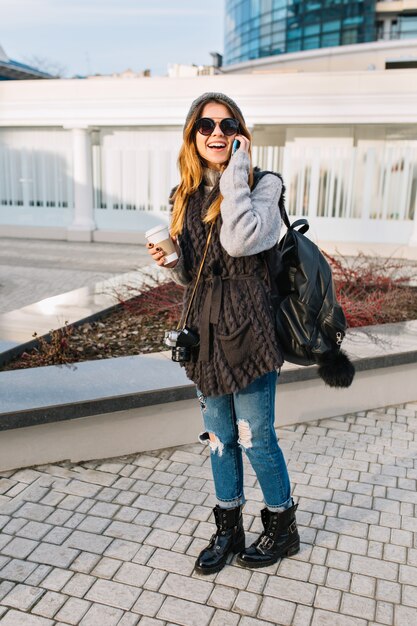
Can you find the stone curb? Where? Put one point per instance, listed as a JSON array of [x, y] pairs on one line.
[[149, 397]]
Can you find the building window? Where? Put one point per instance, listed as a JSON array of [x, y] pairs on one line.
[[292, 25], [407, 26]]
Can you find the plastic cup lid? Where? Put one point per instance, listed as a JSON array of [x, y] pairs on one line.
[[155, 230]]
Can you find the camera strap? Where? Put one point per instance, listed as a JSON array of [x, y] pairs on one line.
[[181, 325]]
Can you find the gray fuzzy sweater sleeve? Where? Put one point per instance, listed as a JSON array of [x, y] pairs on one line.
[[178, 273], [251, 221]]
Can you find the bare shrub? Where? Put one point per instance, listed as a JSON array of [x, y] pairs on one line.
[[371, 291]]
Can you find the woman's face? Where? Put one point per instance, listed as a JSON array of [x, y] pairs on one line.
[[215, 156]]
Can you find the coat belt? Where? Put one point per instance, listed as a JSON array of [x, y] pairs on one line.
[[211, 309]]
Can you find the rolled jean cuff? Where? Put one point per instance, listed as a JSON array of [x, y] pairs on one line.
[[281, 507], [231, 504]]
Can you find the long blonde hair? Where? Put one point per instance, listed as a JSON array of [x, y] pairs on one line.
[[191, 165]]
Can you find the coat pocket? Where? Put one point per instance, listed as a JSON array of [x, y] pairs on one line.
[[239, 345]]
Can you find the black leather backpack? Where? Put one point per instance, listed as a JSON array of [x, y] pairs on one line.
[[309, 322]]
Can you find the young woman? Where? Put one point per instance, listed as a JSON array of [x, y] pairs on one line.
[[221, 228]]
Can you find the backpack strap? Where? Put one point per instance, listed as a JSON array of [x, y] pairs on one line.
[[302, 222]]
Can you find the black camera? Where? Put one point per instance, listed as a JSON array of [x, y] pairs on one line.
[[181, 341]]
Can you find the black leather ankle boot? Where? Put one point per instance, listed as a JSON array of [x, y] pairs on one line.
[[279, 538], [229, 539]]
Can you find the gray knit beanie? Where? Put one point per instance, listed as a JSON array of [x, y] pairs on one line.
[[209, 96]]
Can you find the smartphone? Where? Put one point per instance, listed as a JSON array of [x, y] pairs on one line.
[[235, 145]]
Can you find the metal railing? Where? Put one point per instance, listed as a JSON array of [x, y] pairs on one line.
[[372, 183], [36, 185]]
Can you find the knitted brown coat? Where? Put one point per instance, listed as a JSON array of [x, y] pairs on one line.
[[230, 312]]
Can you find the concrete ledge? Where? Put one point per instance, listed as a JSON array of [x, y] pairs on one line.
[[67, 234], [6, 346], [119, 236], [125, 383], [175, 423], [55, 393], [79, 234], [378, 250], [33, 232], [131, 404]]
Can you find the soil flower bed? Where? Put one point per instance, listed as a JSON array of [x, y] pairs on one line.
[[371, 291]]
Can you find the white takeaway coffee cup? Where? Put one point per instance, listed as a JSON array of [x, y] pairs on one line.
[[159, 236]]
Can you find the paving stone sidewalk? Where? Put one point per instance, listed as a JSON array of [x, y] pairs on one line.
[[114, 542]]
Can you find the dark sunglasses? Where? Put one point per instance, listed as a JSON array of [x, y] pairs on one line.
[[228, 126]]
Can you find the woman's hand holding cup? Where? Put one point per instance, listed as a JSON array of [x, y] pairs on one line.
[[163, 249]]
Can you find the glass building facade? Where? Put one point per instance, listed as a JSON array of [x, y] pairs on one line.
[[261, 28]]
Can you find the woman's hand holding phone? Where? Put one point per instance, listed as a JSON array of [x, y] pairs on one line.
[[240, 143]]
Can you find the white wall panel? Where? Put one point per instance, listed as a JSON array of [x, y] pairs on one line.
[[134, 171], [36, 185], [370, 188]]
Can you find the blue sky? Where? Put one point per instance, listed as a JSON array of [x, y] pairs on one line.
[[105, 36]]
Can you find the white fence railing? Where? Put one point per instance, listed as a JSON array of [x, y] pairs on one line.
[[36, 184], [133, 173], [362, 193], [377, 181]]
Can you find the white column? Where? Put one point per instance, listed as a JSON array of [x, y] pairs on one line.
[[83, 223], [387, 29]]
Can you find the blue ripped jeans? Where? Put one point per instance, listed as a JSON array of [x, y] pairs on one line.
[[245, 420]]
